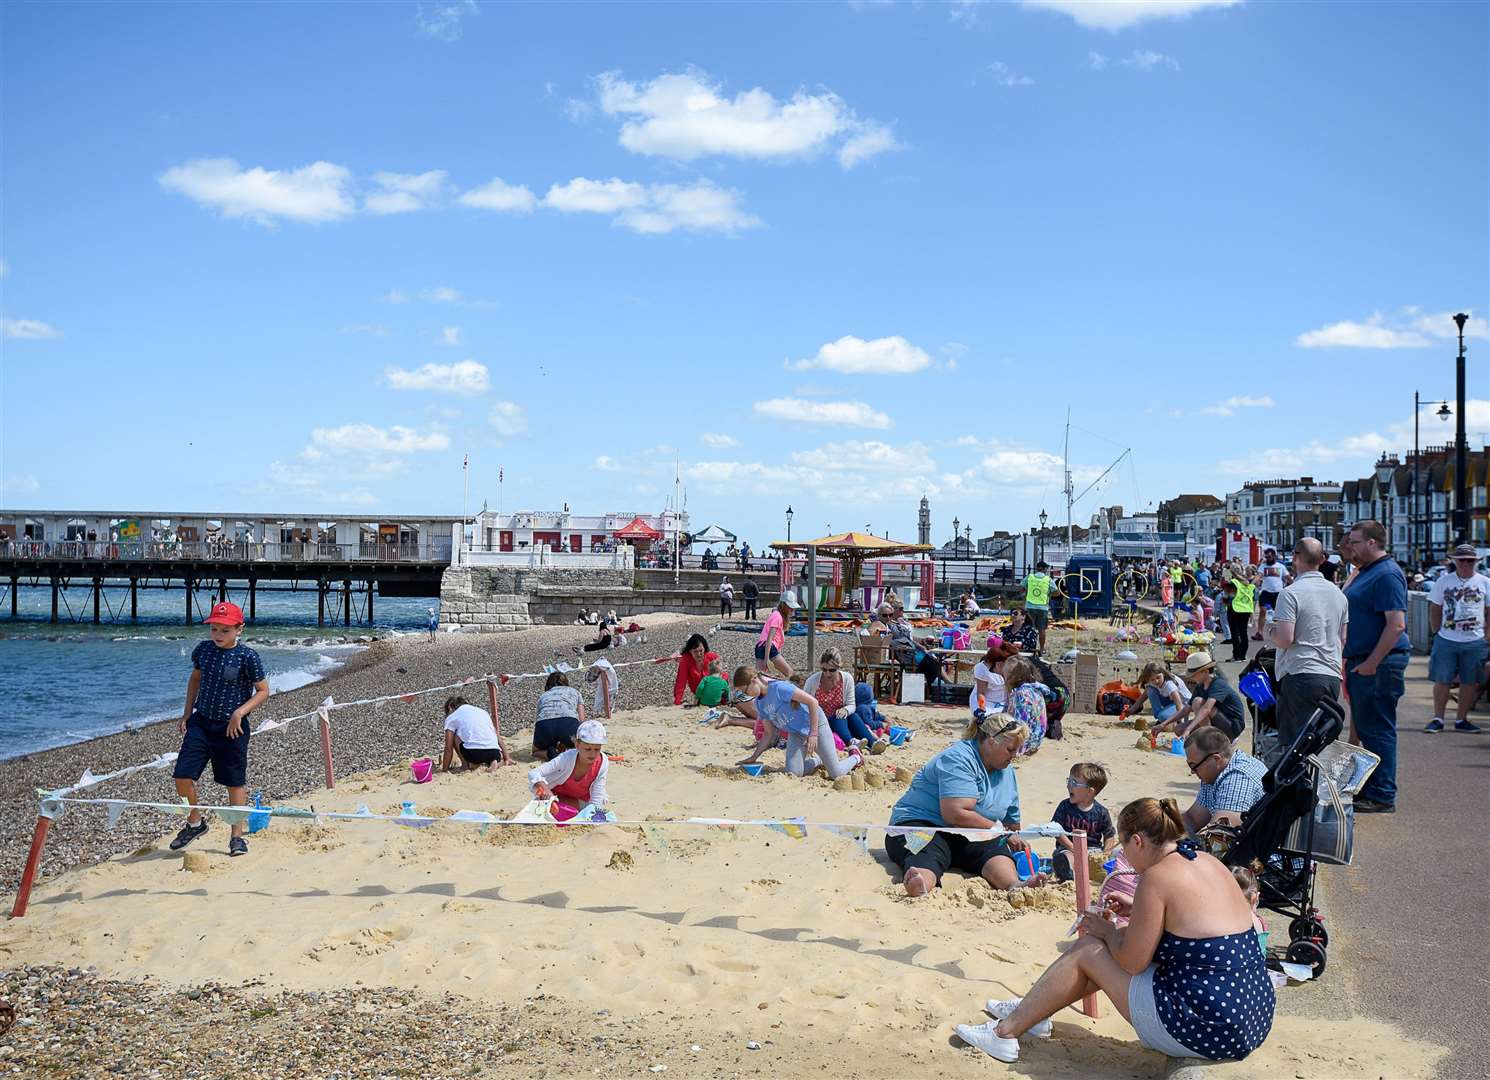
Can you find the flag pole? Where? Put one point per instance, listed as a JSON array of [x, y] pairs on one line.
[[465, 498]]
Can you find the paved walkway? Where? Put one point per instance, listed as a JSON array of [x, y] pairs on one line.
[[1409, 922]]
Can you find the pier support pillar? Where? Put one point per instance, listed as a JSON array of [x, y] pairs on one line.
[[15, 588], [222, 589], [189, 585], [97, 596], [320, 603], [371, 588], [253, 599], [346, 602], [134, 599], [54, 599]]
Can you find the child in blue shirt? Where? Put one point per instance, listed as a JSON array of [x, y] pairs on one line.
[[227, 683]]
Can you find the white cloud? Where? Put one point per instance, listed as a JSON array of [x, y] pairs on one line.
[[870, 140], [1232, 404], [685, 116], [654, 208], [799, 410], [508, 419], [403, 193], [718, 441], [450, 335], [1119, 14], [371, 329], [465, 377], [1373, 333], [1356, 453], [497, 194], [880, 356], [1096, 61], [607, 464], [369, 441], [318, 192], [29, 329], [393, 296], [21, 484], [1442, 325], [585, 196], [442, 20], [442, 294], [699, 207], [869, 455], [1147, 60], [1003, 75]]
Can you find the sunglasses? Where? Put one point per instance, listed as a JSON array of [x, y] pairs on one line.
[[1073, 783], [1195, 768]]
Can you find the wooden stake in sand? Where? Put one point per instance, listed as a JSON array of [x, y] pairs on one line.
[[491, 697], [325, 721], [605, 693], [1083, 873], [33, 859]]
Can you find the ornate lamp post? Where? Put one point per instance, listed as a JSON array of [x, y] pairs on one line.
[[788, 524], [1461, 445]]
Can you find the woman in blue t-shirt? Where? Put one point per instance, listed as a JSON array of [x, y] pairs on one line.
[[1187, 971], [969, 785], [785, 710]]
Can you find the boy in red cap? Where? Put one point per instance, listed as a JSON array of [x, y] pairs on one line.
[[227, 683]]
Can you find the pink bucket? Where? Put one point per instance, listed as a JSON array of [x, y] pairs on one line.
[[423, 770]]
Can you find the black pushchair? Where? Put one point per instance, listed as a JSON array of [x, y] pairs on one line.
[[1305, 818]]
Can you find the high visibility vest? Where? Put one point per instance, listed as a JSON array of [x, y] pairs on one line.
[[1177, 575], [1245, 592], [1037, 591]]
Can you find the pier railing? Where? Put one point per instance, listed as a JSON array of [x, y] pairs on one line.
[[237, 551]]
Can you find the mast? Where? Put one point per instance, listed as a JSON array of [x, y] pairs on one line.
[[1067, 471]]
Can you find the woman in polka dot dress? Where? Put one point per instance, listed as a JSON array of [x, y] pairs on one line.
[[1187, 971]]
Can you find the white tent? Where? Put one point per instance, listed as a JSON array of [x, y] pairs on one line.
[[713, 534]]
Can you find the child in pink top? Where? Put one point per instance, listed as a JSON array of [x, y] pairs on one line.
[[773, 637]]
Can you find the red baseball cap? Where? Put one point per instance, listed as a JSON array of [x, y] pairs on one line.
[[225, 614]]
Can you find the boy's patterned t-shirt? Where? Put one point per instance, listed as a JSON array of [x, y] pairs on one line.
[[228, 677], [1096, 822]]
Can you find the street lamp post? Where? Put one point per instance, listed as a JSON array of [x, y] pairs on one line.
[[1417, 546], [1040, 547], [788, 524], [1461, 445]]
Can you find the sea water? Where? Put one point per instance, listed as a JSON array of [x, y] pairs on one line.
[[71, 680]]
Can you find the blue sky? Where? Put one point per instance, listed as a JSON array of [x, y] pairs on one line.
[[305, 257]]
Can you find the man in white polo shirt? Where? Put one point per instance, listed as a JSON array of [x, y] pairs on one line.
[[1309, 634], [1461, 638]]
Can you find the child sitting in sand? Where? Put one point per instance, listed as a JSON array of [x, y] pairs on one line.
[[1247, 881], [712, 690], [1080, 811], [576, 778], [471, 735]]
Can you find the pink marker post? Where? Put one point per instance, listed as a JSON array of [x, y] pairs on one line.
[[1082, 871], [325, 723]]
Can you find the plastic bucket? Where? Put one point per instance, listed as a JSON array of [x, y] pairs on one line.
[[755, 768], [1026, 864], [1257, 686], [423, 770], [898, 735], [258, 818], [1177, 748]]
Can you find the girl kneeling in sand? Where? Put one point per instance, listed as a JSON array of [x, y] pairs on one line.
[[576, 777], [796, 714]]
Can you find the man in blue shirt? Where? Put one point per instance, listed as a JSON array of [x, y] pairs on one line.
[[1376, 654]]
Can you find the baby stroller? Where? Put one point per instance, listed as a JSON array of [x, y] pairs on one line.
[[1305, 819]]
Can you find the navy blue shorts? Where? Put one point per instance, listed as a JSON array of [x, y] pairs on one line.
[[760, 652], [206, 742]]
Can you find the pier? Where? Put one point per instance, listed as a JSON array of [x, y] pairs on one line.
[[345, 560]]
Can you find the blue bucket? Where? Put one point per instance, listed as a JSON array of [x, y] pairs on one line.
[[1257, 686], [1026, 864], [754, 768], [258, 818], [898, 735]]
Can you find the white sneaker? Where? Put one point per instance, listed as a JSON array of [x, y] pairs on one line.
[[982, 1036], [1002, 1010]]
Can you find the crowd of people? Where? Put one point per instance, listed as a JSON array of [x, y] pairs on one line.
[[1174, 941]]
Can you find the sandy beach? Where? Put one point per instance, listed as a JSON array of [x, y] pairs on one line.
[[613, 952]]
